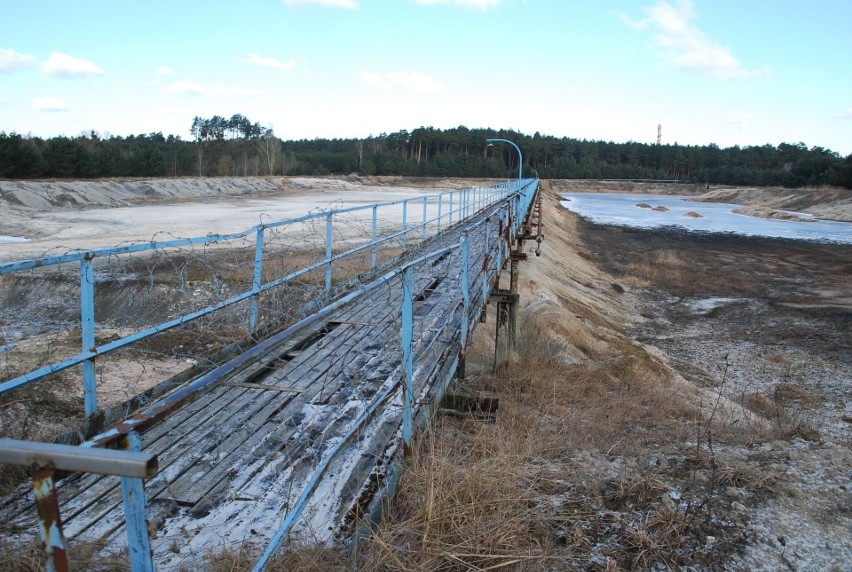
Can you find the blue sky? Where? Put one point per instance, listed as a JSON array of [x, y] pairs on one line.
[[730, 72]]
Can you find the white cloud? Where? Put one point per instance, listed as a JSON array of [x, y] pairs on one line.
[[165, 70], [189, 87], [846, 114], [271, 62], [411, 81], [481, 4], [685, 46], [49, 103], [10, 60], [332, 3], [65, 66]]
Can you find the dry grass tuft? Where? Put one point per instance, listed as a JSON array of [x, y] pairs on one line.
[[787, 393], [232, 559], [743, 477], [16, 558], [634, 490], [464, 508], [786, 422], [656, 538]]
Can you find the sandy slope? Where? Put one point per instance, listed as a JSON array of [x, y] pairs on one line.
[[828, 203], [802, 523]]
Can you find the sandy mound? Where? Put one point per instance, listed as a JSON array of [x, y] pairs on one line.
[[824, 203], [765, 212], [45, 195]]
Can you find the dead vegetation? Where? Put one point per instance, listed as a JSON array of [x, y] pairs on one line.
[[585, 468]]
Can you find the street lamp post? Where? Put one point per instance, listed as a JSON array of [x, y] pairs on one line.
[[520, 157]]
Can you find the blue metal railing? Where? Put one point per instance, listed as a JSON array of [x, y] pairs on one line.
[[507, 213], [507, 203], [462, 203]]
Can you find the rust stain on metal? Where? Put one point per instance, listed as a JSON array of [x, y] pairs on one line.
[[49, 520]]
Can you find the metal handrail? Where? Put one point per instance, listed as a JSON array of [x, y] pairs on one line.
[[469, 202], [132, 466], [520, 200]]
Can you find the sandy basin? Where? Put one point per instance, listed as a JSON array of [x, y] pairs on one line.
[[87, 225]]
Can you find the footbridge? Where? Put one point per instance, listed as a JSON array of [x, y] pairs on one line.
[[301, 382]]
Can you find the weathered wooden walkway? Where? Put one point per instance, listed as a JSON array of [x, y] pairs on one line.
[[316, 417]]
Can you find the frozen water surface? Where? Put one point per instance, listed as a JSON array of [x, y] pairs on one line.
[[622, 209]]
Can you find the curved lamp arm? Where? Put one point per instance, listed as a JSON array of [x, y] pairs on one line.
[[520, 157]]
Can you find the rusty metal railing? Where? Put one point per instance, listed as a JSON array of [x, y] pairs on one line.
[[132, 465]]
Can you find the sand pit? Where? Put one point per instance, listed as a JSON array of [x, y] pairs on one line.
[[50, 218]]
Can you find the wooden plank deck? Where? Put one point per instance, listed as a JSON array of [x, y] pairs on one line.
[[233, 461]]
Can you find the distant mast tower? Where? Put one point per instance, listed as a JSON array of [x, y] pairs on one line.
[[659, 133]]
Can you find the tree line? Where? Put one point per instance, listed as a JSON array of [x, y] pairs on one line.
[[237, 147]]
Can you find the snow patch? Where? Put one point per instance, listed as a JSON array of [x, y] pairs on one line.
[[707, 305]]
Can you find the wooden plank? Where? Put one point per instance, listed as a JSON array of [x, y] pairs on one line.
[[195, 444], [202, 410], [265, 387], [194, 485], [199, 449]]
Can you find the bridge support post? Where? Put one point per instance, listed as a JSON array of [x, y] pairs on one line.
[[507, 311]]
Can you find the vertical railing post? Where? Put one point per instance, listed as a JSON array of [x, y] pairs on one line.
[[50, 523], [485, 264], [518, 214], [136, 515], [329, 222], [404, 223], [424, 217], [407, 334], [440, 200], [465, 199], [451, 209], [499, 264], [465, 288], [87, 315], [258, 273], [373, 246]]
